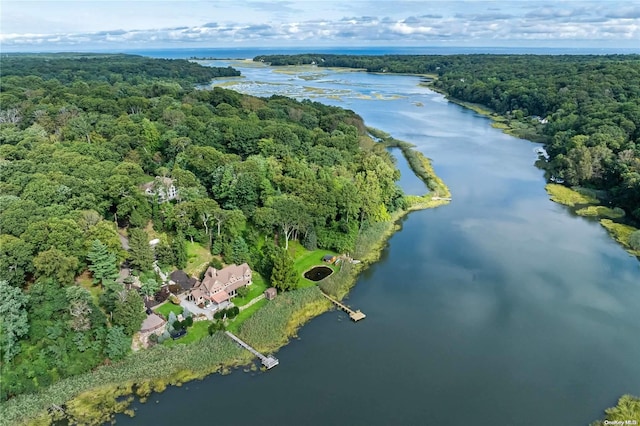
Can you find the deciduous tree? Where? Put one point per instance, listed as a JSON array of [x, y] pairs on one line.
[[13, 319]]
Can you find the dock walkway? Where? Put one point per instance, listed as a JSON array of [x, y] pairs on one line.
[[354, 315], [267, 361]]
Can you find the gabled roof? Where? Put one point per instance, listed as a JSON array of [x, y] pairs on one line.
[[220, 297]]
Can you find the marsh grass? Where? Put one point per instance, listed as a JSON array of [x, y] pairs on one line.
[[601, 212], [91, 398], [569, 197], [621, 233]]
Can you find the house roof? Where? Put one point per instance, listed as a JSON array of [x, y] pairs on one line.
[[182, 279], [328, 257], [271, 290], [220, 297], [232, 275]]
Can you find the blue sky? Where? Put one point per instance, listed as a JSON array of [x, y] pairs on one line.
[[93, 24]]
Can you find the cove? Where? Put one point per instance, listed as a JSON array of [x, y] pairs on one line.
[[499, 308]]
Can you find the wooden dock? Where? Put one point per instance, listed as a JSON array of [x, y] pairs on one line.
[[268, 361], [354, 315]]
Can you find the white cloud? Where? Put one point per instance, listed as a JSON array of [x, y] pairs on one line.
[[96, 24]]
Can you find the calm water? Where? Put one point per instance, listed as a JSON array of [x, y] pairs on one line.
[[501, 308]]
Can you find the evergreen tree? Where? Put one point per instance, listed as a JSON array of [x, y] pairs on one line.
[[283, 276], [102, 263], [239, 251], [118, 343], [129, 312], [179, 251], [13, 319], [140, 252], [150, 288], [165, 255], [112, 292]]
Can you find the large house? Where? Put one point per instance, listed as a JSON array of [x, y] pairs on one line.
[[162, 187], [219, 285]]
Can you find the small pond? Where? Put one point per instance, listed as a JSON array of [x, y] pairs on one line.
[[318, 273]]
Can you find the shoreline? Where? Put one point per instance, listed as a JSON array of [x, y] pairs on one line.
[[83, 399]]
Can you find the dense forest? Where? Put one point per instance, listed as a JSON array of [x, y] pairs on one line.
[[586, 108], [79, 137]]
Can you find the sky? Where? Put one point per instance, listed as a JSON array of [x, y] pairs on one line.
[[27, 25]]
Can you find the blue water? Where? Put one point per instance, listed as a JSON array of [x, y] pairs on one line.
[[245, 52], [501, 308]]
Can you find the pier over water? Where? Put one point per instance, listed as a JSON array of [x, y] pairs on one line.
[[267, 361]]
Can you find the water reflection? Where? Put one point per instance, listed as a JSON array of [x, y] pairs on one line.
[[499, 308]]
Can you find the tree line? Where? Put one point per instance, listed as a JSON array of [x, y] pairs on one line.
[[586, 108], [78, 139]]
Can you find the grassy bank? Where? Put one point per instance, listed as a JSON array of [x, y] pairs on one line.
[[567, 196], [93, 397], [621, 233], [601, 212], [420, 165]]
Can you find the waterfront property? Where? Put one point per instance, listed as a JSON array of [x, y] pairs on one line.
[[270, 293], [219, 285], [268, 361], [329, 258], [354, 315]]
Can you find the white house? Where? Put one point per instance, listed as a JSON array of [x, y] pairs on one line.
[[162, 187]]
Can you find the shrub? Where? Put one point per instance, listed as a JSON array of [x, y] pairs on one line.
[[243, 291], [233, 312], [634, 240], [215, 263], [188, 322], [174, 299]]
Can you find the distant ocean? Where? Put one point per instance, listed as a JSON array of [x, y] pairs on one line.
[[245, 52]]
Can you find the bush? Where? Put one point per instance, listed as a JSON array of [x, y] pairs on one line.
[[174, 299], [188, 322], [215, 263], [164, 336], [216, 326], [243, 291], [634, 240], [233, 312], [310, 241]]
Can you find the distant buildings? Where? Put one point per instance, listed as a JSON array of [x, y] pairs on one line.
[[162, 187]]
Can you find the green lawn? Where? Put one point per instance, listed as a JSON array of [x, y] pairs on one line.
[[305, 260], [198, 257], [167, 308], [243, 315], [196, 332], [256, 289]]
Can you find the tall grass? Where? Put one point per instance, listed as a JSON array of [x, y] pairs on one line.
[[90, 398], [569, 197], [602, 212], [273, 325], [621, 233]]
